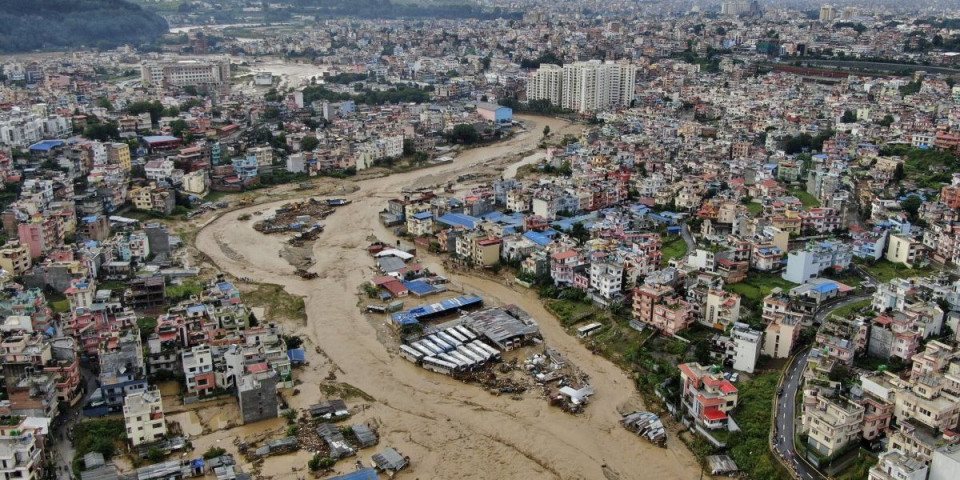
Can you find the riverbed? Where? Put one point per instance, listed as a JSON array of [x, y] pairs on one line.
[[449, 429]]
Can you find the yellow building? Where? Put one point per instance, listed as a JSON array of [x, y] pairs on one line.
[[904, 249], [119, 154], [15, 258]]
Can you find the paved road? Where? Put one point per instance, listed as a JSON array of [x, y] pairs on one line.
[[786, 413], [784, 421], [687, 237]]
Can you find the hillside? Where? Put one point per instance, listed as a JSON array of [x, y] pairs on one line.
[[62, 24]]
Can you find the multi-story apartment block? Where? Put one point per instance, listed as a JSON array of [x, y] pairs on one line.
[[743, 349], [671, 315], [143, 417], [904, 249], [722, 309], [198, 369], [584, 86], [15, 258], [606, 279], [807, 263], [894, 465], [832, 424], [212, 76], [706, 396], [21, 449]]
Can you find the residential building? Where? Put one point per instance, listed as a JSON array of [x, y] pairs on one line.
[[806, 264], [894, 465], [721, 310], [706, 396], [143, 417], [744, 347], [15, 258], [832, 424], [904, 249], [198, 370]]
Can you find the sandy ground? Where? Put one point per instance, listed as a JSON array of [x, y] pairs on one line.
[[450, 430]]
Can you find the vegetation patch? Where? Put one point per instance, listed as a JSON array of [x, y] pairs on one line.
[[885, 271], [104, 436], [277, 302], [344, 390], [675, 248]]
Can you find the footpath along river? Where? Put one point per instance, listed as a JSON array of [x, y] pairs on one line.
[[450, 430]]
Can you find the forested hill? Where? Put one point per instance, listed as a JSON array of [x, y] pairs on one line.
[[27, 25]]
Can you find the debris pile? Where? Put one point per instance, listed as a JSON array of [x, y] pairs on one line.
[[646, 425], [296, 217], [563, 384]]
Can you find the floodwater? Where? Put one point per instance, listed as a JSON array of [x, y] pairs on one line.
[[446, 427]]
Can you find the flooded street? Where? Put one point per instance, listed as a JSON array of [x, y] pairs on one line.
[[449, 429]]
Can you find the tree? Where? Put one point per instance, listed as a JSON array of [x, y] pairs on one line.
[[101, 131], [309, 144], [104, 102], [485, 63], [464, 133], [848, 117], [178, 127], [546, 130], [898, 173], [912, 205]]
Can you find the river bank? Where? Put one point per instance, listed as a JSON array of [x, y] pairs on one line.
[[447, 428]]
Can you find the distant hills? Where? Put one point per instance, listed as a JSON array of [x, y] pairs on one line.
[[27, 25]]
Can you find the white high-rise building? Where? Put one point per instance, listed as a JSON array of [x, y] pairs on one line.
[[546, 84], [828, 13], [584, 86]]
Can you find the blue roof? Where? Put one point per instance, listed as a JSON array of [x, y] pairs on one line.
[[225, 286], [364, 474], [46, 145], [826, 287], [297, 355], [422, 215], [539, 238], [159, 138], [412, 316], [459, 220], [419, 287]]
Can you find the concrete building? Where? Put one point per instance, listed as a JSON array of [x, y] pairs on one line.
[[707, 396], [722, 309], [904, 249], [143, 417], [894, 465], [198, 370], [20, 451], [584, 86], [744, 347], [807, 263], [15, 258], [945, 463], [257, 395], [211, 76], [832, 424]]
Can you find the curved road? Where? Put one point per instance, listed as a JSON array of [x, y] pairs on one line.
[[785, 415]]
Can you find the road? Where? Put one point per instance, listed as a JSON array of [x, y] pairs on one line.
[[688, 237], [786, 414]]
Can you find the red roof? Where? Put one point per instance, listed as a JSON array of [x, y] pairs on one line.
[[258, 367], [395, 287], [727, 387], [564, 255], [714, 415]]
